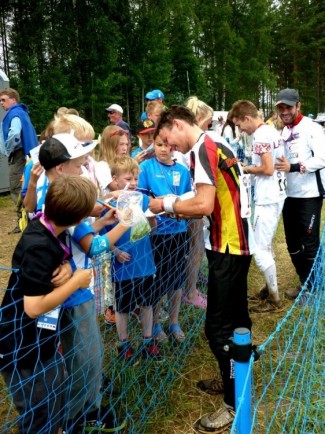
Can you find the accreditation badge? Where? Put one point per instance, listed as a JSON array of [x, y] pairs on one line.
[[49, 320], [176, 178]]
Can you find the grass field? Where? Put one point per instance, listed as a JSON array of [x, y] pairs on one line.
[[184, 404]]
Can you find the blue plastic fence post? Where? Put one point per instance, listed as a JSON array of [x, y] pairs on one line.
[[242, 354]]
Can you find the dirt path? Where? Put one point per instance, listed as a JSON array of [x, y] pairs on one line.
[[7, 241]]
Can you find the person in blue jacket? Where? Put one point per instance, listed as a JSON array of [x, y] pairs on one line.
[[17, 138]]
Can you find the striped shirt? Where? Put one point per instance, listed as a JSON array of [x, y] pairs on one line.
[[214, 163]]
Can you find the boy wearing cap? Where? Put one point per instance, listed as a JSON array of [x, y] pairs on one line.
[[80, 336], [145, 132], [114, 114], [57, 159], [29, 327], [303, 163]]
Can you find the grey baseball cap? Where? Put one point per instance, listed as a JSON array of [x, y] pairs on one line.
[[288, 97]]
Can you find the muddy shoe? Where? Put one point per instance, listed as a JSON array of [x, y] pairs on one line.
[[212, 386], [267, 306], [261, 295], [292, 293]]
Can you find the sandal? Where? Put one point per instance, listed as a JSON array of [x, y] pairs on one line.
[[212, 386], [199, 301], [216, 422], [158, 334], [176, 332]]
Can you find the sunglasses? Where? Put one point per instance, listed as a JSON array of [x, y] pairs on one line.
[[118, 133], [111, 112]]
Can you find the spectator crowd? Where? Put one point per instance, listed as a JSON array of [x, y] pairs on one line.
[[156, 199]]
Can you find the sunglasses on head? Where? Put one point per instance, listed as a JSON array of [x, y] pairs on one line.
[[118, 133]]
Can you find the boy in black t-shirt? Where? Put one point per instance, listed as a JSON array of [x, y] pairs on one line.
[[29, 359]]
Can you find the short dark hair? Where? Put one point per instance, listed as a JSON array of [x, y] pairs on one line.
[[175, 112], [69, 199]]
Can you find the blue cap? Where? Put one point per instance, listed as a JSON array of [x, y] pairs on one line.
[[149, 95], [158, 94], [154, 94]]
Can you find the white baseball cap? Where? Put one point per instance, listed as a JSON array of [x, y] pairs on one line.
[[63, 147], [114, 107]]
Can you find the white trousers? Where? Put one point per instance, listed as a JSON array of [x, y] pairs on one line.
[[266, 219]]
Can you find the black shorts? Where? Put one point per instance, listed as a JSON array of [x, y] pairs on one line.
[[136, 292]]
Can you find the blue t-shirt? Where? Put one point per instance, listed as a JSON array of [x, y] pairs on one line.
[[162, 179], [26, 176], [141, 263], [41, 186]]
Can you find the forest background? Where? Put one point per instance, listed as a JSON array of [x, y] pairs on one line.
[[89, 54]]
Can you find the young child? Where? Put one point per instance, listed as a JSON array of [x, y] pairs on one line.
[[79, 335], [132, 271], [163, 176], [145, 132], [29, 358], [114, 141]]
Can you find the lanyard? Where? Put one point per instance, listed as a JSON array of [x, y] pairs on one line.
[[48, 225]]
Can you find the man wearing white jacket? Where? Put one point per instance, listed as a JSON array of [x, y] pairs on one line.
[[269, 195], [304, 163]]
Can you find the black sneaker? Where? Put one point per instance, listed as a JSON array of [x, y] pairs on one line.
[[212, 386]]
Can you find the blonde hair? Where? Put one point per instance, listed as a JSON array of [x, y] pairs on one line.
[[66, 123], [61, 111], [109, 141], [152, 106], [72, 111], [123, 164], [201, 110]]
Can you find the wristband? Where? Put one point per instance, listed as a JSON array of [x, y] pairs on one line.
[[162, 206], [168, 203], [295, 167]]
